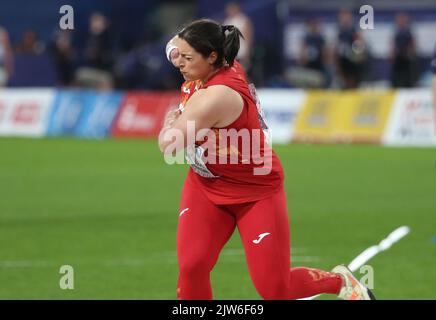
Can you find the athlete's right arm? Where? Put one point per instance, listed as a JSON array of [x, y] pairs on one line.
[[199, 112], [205, 109]]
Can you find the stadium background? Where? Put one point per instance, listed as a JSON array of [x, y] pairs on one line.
[[82, 182]]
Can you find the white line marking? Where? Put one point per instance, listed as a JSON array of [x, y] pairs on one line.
[[26, 264], [369, 253], [232, 255], [385, 244]]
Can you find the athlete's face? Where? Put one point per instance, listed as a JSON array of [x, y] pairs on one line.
[[192, 64]]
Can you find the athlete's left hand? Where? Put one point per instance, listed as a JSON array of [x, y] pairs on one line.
[[170, 117]]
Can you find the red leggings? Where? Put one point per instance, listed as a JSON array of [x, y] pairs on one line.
[[204, 228]]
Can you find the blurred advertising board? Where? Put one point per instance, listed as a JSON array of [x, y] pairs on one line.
[[86, 114], [142, 113], [281, 107], [412, 120], [25, 112], [343, 117]]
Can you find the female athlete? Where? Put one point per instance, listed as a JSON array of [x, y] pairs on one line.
[[232, 182]]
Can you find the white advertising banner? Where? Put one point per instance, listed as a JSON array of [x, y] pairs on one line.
[[412, 119], [281, 107], [25, 112]]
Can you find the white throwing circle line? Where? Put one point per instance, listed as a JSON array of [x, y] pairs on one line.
[[369, 253]]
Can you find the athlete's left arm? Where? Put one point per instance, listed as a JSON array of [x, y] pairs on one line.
[[204, 110]]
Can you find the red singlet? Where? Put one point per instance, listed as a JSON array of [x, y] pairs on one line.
[[233, 183]]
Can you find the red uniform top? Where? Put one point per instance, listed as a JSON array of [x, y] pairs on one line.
[[250, 172]]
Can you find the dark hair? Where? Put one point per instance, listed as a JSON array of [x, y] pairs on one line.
[[206, 36]]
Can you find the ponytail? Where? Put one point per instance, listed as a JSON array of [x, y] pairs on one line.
[[206, 36], [231, 42]]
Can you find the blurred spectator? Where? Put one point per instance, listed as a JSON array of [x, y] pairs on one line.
[[241, 21], [403, 54], [98, 52], [29, 44], [99, 56], [91, 78], [351, 51], [6, 57], [313, 54], [62, 52], [33, 65]]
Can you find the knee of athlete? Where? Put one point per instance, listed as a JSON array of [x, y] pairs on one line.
[[273, 290], [194, 267]]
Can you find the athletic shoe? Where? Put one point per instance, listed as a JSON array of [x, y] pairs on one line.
[[352, 289]]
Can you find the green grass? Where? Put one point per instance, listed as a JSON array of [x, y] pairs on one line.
[[110, 208]]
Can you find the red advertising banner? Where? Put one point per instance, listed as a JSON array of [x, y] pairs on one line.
[[142, 113], [25, 112]]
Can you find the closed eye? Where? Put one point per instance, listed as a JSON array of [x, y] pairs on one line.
[[186, 57]]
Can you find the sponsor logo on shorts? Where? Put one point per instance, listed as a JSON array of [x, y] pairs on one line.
[[183, 212]]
